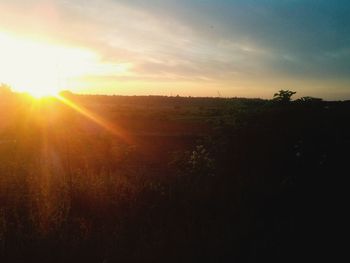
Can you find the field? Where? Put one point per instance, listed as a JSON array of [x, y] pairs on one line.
[[165, 179]]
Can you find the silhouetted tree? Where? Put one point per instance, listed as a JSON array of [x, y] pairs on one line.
[[283, 96], [308, 99]]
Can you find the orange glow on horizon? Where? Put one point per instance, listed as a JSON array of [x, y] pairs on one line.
[[44, 69]]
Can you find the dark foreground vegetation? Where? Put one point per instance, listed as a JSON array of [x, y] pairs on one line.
[[166, 179]]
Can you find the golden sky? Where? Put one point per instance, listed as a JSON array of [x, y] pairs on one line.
[[191, 48]]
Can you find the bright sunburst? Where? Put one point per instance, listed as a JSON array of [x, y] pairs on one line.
[[41, 69]]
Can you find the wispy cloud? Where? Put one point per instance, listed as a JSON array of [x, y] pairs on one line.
[[231, 44]]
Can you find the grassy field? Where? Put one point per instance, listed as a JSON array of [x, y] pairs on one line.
[[164, 179]]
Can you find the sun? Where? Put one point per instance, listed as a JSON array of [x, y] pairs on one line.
[[41, 69], [42, 93]]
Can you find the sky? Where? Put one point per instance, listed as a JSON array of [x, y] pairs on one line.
[[229, 48]]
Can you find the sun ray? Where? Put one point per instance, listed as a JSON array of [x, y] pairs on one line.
[[107, 125]]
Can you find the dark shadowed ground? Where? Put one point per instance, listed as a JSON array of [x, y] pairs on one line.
[[168, 179]]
